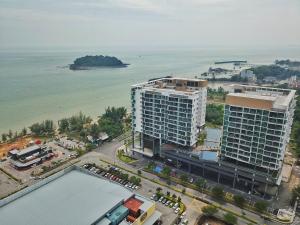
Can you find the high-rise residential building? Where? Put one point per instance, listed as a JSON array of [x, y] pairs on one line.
[[167, 111], [257, 127]]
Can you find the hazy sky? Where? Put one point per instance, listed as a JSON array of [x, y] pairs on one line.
[[52, 23]]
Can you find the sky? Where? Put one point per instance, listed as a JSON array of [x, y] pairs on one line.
[[67, 23]]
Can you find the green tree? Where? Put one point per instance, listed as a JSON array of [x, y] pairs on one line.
[[183, 190], [63, 125], [16, 135], [139, 172], [10, 134], [184, 178], [36, 129], [89, 147], [94, 131], [48, 126], [158, 189], [24, 131], [4, 137], [111, 121], [239, 200], [230, 218], [218, 192], [261, 206], [209, 210], [214, 114], [200, 184], [166, 171], [174, 197], [178, 199]]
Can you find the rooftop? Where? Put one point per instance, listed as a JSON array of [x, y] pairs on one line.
[[260, 97], [74, 198], [176, 84], [28, 150]]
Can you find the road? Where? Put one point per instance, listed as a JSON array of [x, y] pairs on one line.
[[108, 152]]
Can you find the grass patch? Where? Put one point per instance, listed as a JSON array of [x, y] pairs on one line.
[[125, 158]]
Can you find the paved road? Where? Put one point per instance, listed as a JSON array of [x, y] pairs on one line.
[[194, 206]]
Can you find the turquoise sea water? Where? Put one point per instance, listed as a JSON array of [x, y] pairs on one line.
[[37, 85]]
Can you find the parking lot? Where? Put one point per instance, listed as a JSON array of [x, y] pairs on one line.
[[146, 188]]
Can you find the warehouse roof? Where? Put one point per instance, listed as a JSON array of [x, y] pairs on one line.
[[74, 198]]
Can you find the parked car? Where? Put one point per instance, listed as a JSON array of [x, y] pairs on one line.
[[161, 198], [175, 205], [185, 221]]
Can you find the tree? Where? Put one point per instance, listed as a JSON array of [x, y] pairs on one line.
[[183, 190], [174, 197], [4, 137], [48, 126], [218, 192], [261, 206], [168, 193], [178, 199], [94, 131], [239, 200], [124, 176], [209, 210], [10, 134], [230, 218], [89, 147], [166, 171], [184, 178], [36, 129], [158, 189], [63, 125], [111, 121], [200, 183], [16, 135], [214, 114], [24, 131], [139, 172]]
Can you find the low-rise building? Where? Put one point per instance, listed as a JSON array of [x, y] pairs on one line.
[[75, 196], [30, 156]]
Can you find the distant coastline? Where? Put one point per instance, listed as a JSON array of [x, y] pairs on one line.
[[97, 61]]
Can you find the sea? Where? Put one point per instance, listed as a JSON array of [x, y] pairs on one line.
[[36, 84]]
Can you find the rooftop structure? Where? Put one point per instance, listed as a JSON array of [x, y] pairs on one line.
[[168, 110], [72, 197]]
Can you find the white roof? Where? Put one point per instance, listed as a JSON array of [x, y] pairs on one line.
[[75, 198]]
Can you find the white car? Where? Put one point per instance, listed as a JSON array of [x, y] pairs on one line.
[[175, 206], [152, 197], [176, 211]]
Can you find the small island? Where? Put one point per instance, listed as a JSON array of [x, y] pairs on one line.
[[89, 62]]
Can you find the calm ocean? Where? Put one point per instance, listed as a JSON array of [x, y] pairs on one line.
[[37, 85]]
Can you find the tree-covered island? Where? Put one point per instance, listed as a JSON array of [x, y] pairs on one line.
[[88, 62]]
